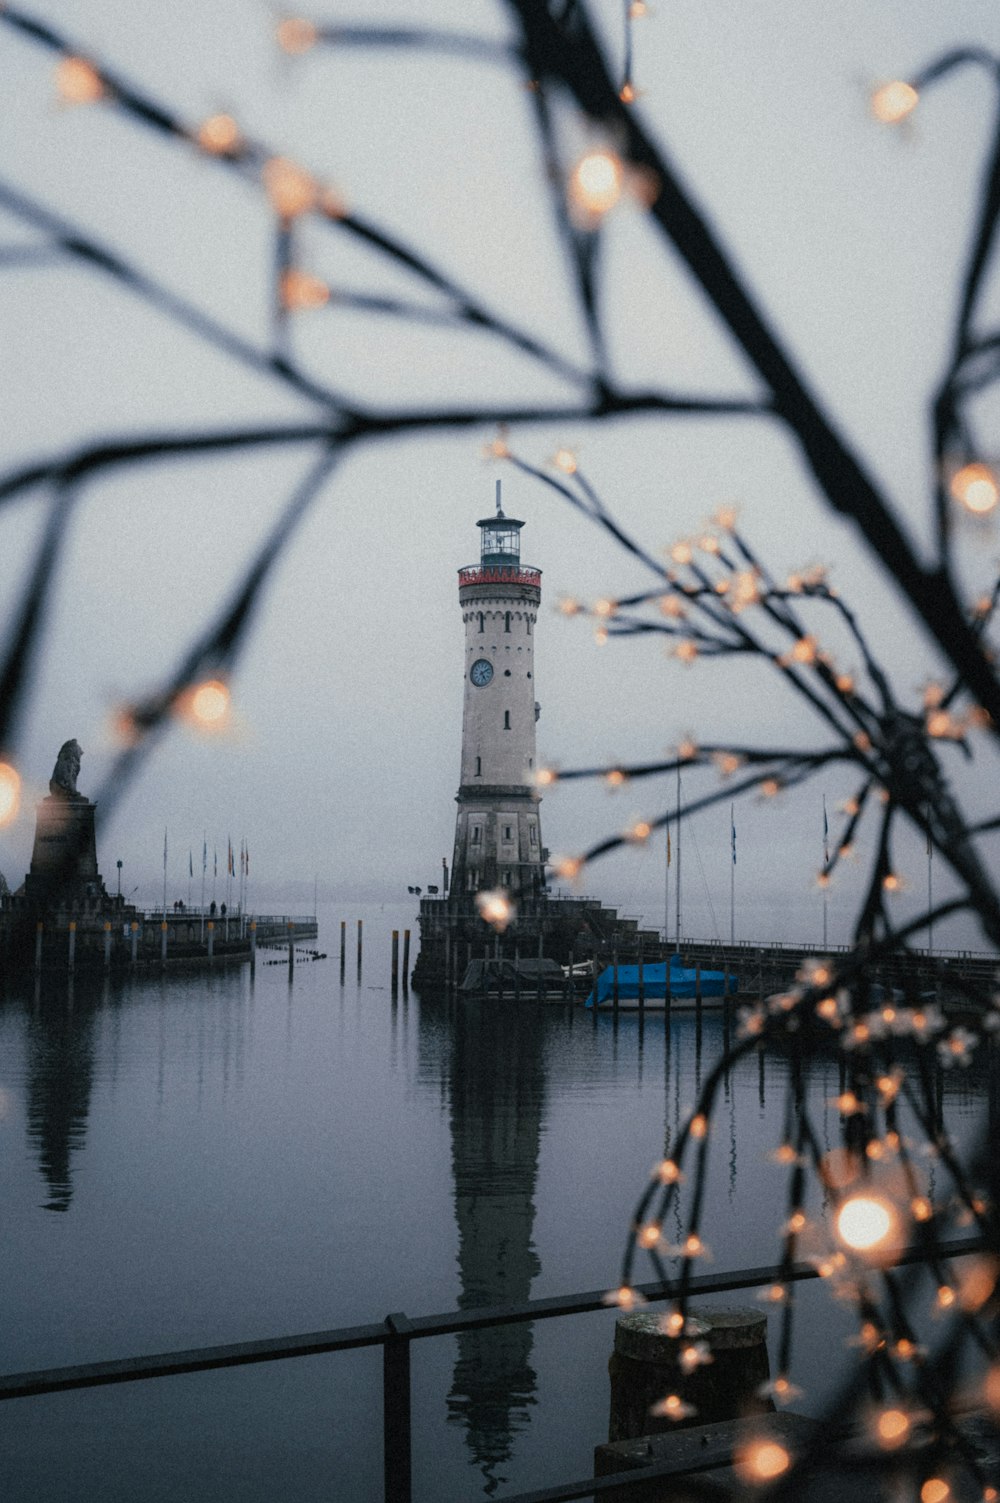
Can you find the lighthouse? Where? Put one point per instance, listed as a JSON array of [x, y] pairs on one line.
[[498, 838]]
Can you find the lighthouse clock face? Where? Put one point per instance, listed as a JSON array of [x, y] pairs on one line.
[[481, 672]]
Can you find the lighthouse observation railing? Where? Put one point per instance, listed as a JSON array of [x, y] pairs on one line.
[[479, 574]]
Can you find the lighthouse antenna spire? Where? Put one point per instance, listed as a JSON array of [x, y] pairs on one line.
[[499, 507]]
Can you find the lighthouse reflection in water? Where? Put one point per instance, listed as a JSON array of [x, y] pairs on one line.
[[227, 1158]]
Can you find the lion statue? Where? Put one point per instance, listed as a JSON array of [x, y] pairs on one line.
[[62, 783]]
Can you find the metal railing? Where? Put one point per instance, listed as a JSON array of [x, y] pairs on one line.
[[395, 1335]]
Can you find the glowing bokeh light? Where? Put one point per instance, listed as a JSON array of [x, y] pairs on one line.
[[78, 81], [291, 190], [596, 183], [935, 1490], [495, 908], [219, 136], [892, 102], [296, 35], [762, 1461], [10, 793], [301, 291], [866, 1222], [975, 487], [210, 704]]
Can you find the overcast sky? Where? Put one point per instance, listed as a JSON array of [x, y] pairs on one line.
[[344, 759]]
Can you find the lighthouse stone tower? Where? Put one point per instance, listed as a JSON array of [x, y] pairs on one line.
[[498, 838]]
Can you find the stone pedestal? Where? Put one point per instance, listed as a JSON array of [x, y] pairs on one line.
[[64, 856], [644, 1369]]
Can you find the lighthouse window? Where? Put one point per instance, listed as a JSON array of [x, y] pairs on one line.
[[476, 834], [506, 673], [527, 623], [506, 621], [534, 835], [479, 767], [506, 720], [481, 621], [508, 833]]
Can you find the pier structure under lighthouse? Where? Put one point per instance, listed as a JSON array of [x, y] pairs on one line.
[[498, 837]]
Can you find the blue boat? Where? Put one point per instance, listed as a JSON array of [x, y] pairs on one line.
[[684, 984]]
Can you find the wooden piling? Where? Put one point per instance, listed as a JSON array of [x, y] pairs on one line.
[[72, 943], [291, 946], [163, 941], [39, 931], [135, 940], [614, 979], [406, 960], [253, 942], [360, 936], [395, 960], [343, 943], [211, 938]]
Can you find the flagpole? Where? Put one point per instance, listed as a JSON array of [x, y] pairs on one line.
[[164, 874], [204, 864], [666, 887], [677, 882], [826, 863], [732, 877], [190, 872]]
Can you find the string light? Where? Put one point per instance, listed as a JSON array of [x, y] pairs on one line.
[[605, 608], [672, 606], [291, 190], [761, 1460], [207, 706], [78, 81], [935, 1490], [637, 10], [745, 590], [545, 777], [565, 460], [892, 882], [894, 101], [300, 291], [219, 136], [892, 1428], [726, 518], [625, 1298], [668, 1172], [866, 1223], [639, 832], [495, 908], [569, 607], [596, 184], [681, 553], [567, 868], [975, 487], [648, 1235], [615, 777], [498, 448], [699, 1126], [296, 35], [627, 93], [673, 1407], [686, 652], [10, 793]]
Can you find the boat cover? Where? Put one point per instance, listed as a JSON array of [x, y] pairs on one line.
[[683, 982]]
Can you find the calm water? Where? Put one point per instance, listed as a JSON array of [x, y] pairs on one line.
[[221, 1158]]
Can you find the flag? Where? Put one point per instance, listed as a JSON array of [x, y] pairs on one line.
[[732, 832]]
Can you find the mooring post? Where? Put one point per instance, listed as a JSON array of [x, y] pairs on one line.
[[642, 983], [107, 945], [39, 931], [614, 978], [253, 942], [406, 960], [72, 943], [697, 983], [291, 945], [360, 931], [395, 960], [343, 943], [163, 941], [448, 977], [135, 939], [210, 927], [396, 1424]]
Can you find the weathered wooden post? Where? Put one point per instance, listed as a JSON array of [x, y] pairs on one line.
[[107, 945], [642, 982], [395, 960], [72, 943], [697, 983], [163, 941], [39, 931], [343, 943], [360, 935], [211, 938], [135, 940], [644, 1367], [253, 942], [406, 960], [291, 945]]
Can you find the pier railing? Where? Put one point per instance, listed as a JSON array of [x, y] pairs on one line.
[[396, 1335]]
